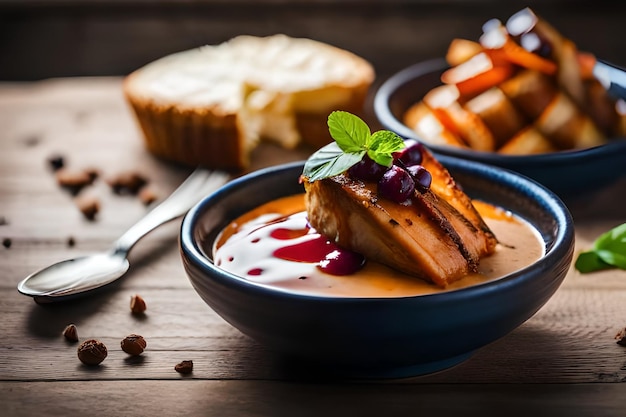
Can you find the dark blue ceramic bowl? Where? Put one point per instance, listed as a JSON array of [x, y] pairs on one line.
[[567, 173], [379, 337]]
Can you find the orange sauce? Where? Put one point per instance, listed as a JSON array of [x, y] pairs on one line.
[[245, 248]]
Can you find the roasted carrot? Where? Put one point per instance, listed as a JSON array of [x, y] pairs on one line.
[[476, 75], [586, 62], [477, 64], [483, 81], [440, 99], [514, 53]]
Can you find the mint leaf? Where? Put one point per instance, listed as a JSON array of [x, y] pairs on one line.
[[352, 141], [329, 161], [609, 251], [349, 131], [382, 145]]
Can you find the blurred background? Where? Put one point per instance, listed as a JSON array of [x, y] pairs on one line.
[[58, 38]]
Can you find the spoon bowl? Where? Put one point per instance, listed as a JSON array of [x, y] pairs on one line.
[[75, 277], [88, 273]]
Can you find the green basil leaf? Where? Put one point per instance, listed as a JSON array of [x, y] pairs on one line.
[[612, 258], [590, 262], [349, 131], [609, 250], [614, 240], [328, 162]]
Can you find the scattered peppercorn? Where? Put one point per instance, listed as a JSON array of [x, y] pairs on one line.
[[71, 241], [31, 141], [128, 182], [93, 174], [137, 304], [89, 206], [184, 367], [56, 162], [147, 196], [72, 180], [3, 221], [92, 352], [6, 242], [133, 344], [71, 333]]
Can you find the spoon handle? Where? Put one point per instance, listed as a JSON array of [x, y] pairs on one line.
[[197, 185]]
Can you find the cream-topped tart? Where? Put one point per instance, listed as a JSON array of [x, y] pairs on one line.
[[212, 105]]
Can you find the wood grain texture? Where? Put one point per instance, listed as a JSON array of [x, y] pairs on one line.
[[276, 399], [564, 358]]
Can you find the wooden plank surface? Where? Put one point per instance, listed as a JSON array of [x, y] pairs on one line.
[[278, 399], [566, 354]]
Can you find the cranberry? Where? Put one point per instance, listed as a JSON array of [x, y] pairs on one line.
[[411, 154], [342, 262], [367, 170], [421, 176], [396, 184]]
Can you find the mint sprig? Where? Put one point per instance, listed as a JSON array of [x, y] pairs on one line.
[[353, 140], [608, 251]]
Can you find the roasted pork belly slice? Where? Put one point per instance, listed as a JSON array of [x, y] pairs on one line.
[[426, 237], [444, 186]]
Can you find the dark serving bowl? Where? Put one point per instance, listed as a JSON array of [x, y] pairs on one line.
[[568, 173], [379, 337]]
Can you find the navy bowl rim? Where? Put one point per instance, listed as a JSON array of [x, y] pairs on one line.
[[386, 117], [562, 247]]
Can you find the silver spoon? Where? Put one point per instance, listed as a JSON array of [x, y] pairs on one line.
[[76, 276]]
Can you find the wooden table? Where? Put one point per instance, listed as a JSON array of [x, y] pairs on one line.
[[563, 361]]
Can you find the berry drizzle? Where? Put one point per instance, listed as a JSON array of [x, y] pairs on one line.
[[291, 239], [330, 258]]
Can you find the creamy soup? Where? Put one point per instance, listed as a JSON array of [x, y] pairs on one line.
[[273, 245]]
